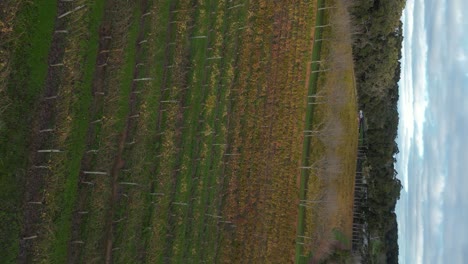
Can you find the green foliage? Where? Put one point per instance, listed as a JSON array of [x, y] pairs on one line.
[[338, 256], [340, 237], [32, 37], [377, 51]]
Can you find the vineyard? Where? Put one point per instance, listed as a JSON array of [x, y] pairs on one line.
[[162, 131]]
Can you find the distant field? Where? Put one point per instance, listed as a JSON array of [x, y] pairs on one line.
[[162, 131]]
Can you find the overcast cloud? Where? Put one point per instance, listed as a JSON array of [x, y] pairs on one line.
[[433, 158]]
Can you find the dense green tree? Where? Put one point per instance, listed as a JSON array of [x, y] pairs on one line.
[[377, 51]]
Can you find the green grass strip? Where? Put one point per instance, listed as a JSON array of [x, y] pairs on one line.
[[34, 27], [308, 126]]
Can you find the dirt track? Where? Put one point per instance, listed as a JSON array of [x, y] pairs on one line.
[[98, 88], [125, 135]]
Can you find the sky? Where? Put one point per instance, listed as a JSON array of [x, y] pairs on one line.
[[433, 131]]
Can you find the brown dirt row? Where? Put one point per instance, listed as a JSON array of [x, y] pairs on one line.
[[230, 124], [263, 186], [125, 135], [98, 91], [112, 35], [286, 54], [263, 194], [254, 205]]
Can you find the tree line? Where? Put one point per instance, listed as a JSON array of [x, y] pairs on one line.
[[377, 53]]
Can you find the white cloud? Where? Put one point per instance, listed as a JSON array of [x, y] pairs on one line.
[[419, 78], [436, 205], [406, 127], [419, 245], [436, 216], [432, 132], [437, 188], [461, 57]]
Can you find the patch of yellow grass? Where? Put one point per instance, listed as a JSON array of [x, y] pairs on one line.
[[334, 146]]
